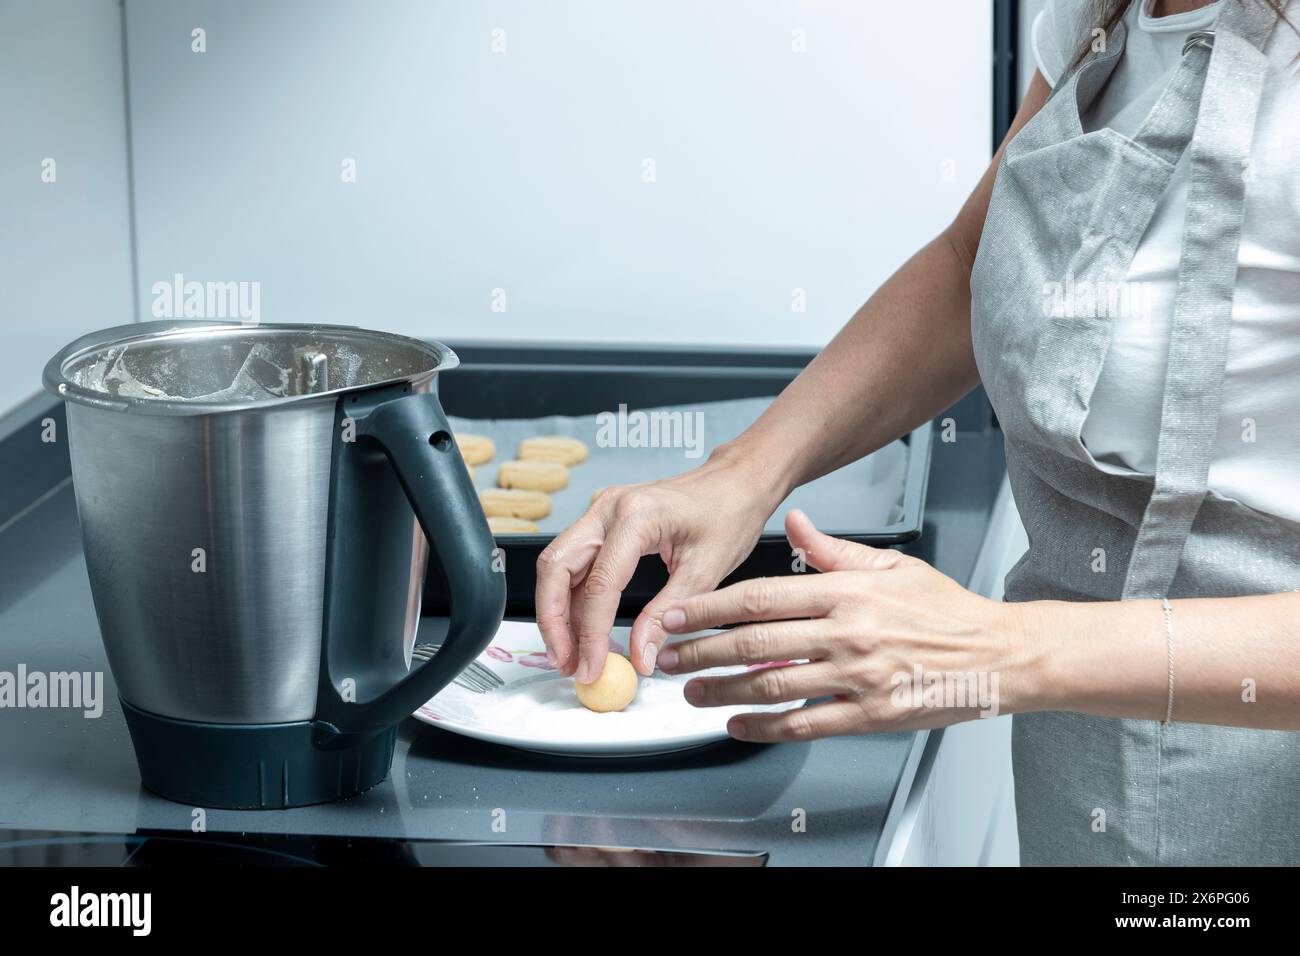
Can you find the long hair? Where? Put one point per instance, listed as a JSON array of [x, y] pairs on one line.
[[1106, 14]]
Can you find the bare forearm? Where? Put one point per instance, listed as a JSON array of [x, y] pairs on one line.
[[904, 357], [1236, 661]]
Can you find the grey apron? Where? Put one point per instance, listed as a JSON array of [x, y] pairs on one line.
[[1072, 206]]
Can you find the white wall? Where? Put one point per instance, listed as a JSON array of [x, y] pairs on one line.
[[523, 170], [476, 171], [65, 255]]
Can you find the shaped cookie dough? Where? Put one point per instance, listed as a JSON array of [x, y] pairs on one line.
[[476, 449], [504, 524], [532, 475], [557, 448], [515, 503]]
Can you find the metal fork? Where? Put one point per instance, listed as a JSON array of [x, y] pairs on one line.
[[477, 677]]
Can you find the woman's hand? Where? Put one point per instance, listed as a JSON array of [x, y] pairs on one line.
[[896, 644], [702, 523]]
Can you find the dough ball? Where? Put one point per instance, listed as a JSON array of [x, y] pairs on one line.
[[533, 475], [476, 449], [614, 689], [557, 448]]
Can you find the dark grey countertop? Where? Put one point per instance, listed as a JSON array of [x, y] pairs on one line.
[[64, 772]]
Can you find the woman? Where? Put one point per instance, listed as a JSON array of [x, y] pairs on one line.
[[1150, 644]]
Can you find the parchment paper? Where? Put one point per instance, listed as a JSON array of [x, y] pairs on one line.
[[862, 496]]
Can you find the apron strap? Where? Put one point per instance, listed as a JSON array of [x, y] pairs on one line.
[[1207, 276], [1168, 128], [1252, 20]]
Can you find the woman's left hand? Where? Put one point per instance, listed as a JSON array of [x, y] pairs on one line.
[[895, 644]]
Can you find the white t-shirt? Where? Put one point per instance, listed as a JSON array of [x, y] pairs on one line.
[[1257, 455]]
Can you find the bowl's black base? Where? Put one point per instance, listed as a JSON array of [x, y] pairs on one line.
[[253, 766]]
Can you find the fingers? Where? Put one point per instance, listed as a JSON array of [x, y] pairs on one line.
[[834, 554], [576, 598], [802, 723], [648, 633], [751, 644], [628, 539], [769, 685], [761, 599], [561, 567]]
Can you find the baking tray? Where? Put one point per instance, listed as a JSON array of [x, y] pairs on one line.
[[537, 380]]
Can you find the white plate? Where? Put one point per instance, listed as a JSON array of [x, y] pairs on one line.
[[536, 709]]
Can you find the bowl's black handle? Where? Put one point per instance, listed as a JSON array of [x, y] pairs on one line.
[[414, 435]]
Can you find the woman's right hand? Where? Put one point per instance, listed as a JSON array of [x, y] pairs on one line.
[[702, 524]]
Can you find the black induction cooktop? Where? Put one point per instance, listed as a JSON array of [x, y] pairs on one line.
[[145, 849]]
